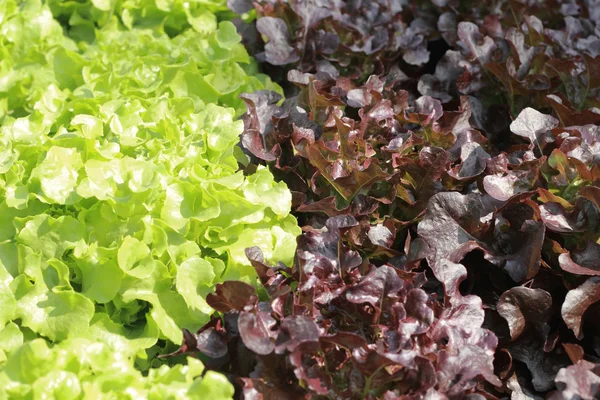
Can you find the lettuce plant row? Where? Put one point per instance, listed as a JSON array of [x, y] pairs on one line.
[[121, 199], [443, 162]]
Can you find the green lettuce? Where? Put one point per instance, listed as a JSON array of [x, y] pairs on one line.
[[81, 17], [121, 200], [84, 369]]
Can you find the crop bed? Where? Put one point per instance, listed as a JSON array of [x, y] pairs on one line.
[[299, 199]]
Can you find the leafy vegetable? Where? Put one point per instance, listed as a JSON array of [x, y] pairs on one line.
[[346, 329], [85, 369], [441, 157], [81, 18], [121, 202], [479, 165], [356, 38]]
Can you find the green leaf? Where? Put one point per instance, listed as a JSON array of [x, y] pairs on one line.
[[193, 274], [52, 237], [104, 5], [100, 275], [260, 190], [32, 360], [134, 258], [58, 175], [184, 201], [67, 67], [202, 21], [227, 35], [91, 127], [11, 339], [126, 341], [7, 299], [56, 314], [63, 385], [214, 386]]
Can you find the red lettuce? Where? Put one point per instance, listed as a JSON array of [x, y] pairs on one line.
[[335, 325], [444, 161]]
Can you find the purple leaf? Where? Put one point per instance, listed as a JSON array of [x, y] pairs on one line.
[[380, 235], [542, 365], [557, 219], [524, 53], [278, 49], [231, 296], [578, 301], [582, 262], [312, 12], [257, 329], [519, 392], [520, 306], [416, 306], [308, 373], [504, 187], [239, 6], [347, 340], [382, 282], [518, 241], [469, 354], [296, 331], [481, 47], [430, 107], [418, 56], [579, 381], [261, 107], [531, 124], [211, 343], [447, 225], [474, 161]]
